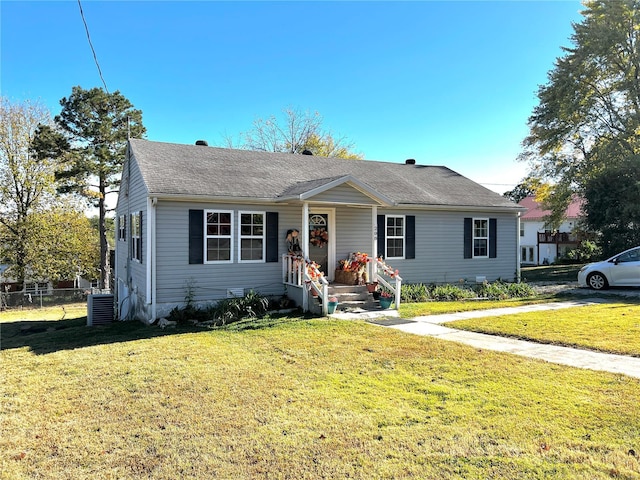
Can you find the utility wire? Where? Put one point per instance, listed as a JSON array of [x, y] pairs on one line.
[[95, 57]]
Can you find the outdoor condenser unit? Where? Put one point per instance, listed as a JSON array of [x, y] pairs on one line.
[[99, 309]]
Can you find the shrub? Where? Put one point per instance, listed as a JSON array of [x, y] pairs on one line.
[[414, 293], [451, 292], [499, 290], [230, 310], [520, 290], [495, 290], [588, 251]]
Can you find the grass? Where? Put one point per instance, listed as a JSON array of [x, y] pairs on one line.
[[551, 273], [302, 399], [613, 327], [410, 310]]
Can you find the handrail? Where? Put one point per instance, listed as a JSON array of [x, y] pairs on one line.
[[386, 270], [310, 277]]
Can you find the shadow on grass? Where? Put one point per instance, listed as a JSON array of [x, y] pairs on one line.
[[48, 336]]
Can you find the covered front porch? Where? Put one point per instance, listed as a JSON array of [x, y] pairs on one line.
[[339, 221]]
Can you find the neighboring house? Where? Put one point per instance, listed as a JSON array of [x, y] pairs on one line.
[[207, 223], [539, 245]]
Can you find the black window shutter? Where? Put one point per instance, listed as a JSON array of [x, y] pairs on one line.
[[140, 239], [468, 237], [410, 239], [382, 228], [272, 237], [196, 236], [493, 235]]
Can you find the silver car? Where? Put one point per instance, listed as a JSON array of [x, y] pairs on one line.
[[621, 270]]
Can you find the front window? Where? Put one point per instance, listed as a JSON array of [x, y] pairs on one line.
[[480, 237], [252, 236], [136, 237], [395, 236], [218, 228]]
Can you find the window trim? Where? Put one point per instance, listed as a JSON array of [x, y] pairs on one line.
[[206, 236], [474, 238], [395, 237], [136, 240], [262, 237]]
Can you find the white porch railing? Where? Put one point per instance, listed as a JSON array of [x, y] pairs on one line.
[[300, 272], [385, 275]]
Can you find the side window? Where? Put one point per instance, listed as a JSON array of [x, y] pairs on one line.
[[122, 228], [218, 236], [480, 237], [252, 233], [630, 256], [136, 236]]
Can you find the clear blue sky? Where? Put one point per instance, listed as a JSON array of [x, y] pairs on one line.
[[447, 83]]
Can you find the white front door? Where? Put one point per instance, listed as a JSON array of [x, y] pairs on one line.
[[322, 239]]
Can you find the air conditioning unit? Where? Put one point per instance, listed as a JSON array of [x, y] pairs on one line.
[[100, 309]]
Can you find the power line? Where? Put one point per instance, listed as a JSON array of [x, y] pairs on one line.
[[95, 57]]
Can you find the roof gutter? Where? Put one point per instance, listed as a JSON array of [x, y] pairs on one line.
[[457, 208]]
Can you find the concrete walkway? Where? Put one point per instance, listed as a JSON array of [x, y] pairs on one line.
[[432, 326]]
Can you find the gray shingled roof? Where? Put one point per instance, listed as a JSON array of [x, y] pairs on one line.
[[193, 170]]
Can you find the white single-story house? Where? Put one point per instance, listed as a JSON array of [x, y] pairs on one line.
[[209, 223], [541, 245]]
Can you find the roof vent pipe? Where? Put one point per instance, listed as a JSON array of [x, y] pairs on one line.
[[410, 161], [202, 143]]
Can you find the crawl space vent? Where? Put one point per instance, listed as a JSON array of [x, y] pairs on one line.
[[235, 292]]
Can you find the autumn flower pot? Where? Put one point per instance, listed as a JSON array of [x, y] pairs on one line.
[[385, 302], [331, 307]]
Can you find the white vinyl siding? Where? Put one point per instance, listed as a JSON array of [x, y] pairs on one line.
[[251, 234], [218, 237]]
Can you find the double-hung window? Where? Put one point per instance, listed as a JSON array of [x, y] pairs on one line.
[[136, 237], [218, 236], [122, 228], [480, 237], [252, 240], [395, 235]]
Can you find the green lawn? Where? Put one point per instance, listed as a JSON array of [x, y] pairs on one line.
[[613, 327], [550, 273], [301, 399], [410, 310]]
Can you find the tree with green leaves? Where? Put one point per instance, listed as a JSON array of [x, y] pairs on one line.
[[90, 141], [528, 186], [584, 134], [63, 244], [26, 182], [296, 132]]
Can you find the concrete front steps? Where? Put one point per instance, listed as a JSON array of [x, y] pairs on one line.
[[354, 301]]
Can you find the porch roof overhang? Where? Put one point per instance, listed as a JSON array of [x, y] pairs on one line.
[[306, 191]]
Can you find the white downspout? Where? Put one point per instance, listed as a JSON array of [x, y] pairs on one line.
[[151, 257]]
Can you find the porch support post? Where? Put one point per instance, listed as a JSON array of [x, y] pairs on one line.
[[373, 274], [305, 230]]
